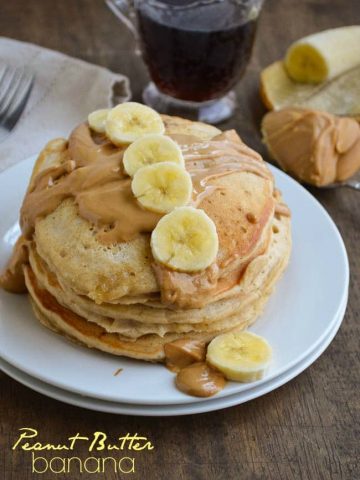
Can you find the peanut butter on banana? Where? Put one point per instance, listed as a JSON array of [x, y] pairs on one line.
[[316, 147]]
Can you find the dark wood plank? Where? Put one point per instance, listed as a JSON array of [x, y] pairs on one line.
[[308, 429]]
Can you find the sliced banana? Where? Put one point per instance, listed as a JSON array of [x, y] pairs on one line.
[[129, 121], [324, 55], [185, 240], [162, 187], [97, 119], [149, 150], [240, 356]]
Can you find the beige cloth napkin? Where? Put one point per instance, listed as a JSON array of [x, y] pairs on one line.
[[65, 90]]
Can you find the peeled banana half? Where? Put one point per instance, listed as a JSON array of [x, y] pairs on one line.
[[185, 240], [240, 356], [324, 55]]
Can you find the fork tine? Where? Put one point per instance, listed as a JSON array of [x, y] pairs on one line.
[[6, 77], [3, 72], [15, 89], [21, 95], [11, 93], [6, 85], [5, 81]]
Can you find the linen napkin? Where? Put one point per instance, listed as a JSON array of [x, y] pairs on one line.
[[65, 91]]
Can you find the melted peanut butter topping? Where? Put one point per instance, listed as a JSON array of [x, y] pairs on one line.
[[316, 147], [12, 279], [93, 175], [91, 172], [183, 352], [200, 380], [186, 357], [223, 155], [207, 161]]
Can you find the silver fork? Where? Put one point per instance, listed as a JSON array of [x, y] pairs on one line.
[[15, 88]]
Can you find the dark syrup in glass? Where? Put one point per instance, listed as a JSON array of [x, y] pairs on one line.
[[196, 54]]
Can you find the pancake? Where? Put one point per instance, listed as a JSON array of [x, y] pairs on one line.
[[96, 281], [135, 319], [70, 246], [148, 347]]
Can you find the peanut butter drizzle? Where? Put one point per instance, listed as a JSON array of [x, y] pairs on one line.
[[94, 177], [316, 147], [207, 161], [223, 155], [183, 352], [92, 174], [12, 279], [193, 290], [200, 380]]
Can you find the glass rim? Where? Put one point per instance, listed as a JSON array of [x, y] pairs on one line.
[[193, 4]]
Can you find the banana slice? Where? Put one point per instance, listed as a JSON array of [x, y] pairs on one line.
[[129, 121], [97, 119], [149, 150], [240, 356], [324, 55], [162, 187], [186, 240]]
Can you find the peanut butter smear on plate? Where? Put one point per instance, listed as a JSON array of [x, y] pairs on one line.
[[186, 357], [183, 352], [200, 380], [316, 147], [90, 171]]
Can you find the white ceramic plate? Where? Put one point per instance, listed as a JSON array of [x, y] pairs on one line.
[[299, 317], [170, 410]]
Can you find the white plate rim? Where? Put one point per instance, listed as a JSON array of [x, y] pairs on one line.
[[209, 405], [280, 371]]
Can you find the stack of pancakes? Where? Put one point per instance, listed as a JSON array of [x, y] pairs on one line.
[[111, 297]]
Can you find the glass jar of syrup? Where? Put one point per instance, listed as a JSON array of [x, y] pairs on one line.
[[195, 51]]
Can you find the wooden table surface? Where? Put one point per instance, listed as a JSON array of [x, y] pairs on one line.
[[307, 429]]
